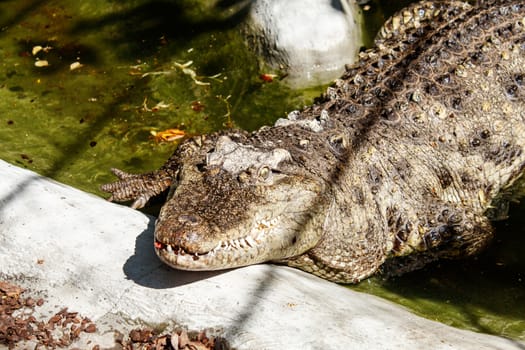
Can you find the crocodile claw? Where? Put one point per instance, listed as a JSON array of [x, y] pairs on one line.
[[139, 188]]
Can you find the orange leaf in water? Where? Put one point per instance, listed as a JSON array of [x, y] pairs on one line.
[[167, 135], [268, 77]]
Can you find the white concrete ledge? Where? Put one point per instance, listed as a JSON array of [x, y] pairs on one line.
[[97, 259]]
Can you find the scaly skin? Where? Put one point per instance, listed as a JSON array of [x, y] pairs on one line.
[[403, 161]]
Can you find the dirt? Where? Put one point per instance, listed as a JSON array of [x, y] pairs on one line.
[[19, 328]]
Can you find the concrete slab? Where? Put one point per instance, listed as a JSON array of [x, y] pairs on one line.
[[97, 258]]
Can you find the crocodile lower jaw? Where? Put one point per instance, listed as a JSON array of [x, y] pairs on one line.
[[234, 253]]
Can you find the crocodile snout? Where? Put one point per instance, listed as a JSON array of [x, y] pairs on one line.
[[189, 219]]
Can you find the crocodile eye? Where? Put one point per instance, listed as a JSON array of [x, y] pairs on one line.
[[264, 172], [201, 167]]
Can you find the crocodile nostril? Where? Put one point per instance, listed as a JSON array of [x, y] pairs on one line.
[[188, 219]]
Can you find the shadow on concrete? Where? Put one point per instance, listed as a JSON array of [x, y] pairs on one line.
[[8, 197], [147, 270]]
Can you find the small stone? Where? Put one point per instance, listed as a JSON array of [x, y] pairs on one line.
[[91, 328]]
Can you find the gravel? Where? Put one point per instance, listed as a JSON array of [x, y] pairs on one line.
[[20, 328]]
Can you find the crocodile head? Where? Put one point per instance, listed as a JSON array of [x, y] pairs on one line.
[[239, 205]]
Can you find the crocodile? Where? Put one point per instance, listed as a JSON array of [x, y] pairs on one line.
[[404, 160]]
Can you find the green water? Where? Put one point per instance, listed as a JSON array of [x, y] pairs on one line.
[[73, 125]]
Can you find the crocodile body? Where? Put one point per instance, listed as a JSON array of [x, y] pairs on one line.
[[404, 160]]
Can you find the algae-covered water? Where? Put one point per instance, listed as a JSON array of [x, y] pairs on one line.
[[132, 73], [83, 85]]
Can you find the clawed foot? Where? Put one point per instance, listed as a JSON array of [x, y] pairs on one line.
[[137, 187]]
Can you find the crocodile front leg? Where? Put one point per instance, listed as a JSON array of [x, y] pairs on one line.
[[138, 187]]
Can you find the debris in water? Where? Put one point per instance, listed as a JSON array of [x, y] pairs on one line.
[[167, 135], [41, 63], [75, 65], [156, 108], [268, 77]]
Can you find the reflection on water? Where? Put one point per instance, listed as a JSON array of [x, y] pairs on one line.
[[126, 81]]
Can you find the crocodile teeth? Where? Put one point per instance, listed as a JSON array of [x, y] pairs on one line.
[[250, 241], [238, 243], [234, 243], [242, 242]]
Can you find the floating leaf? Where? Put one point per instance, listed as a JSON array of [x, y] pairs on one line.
[[168, 135], [268, 77]]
